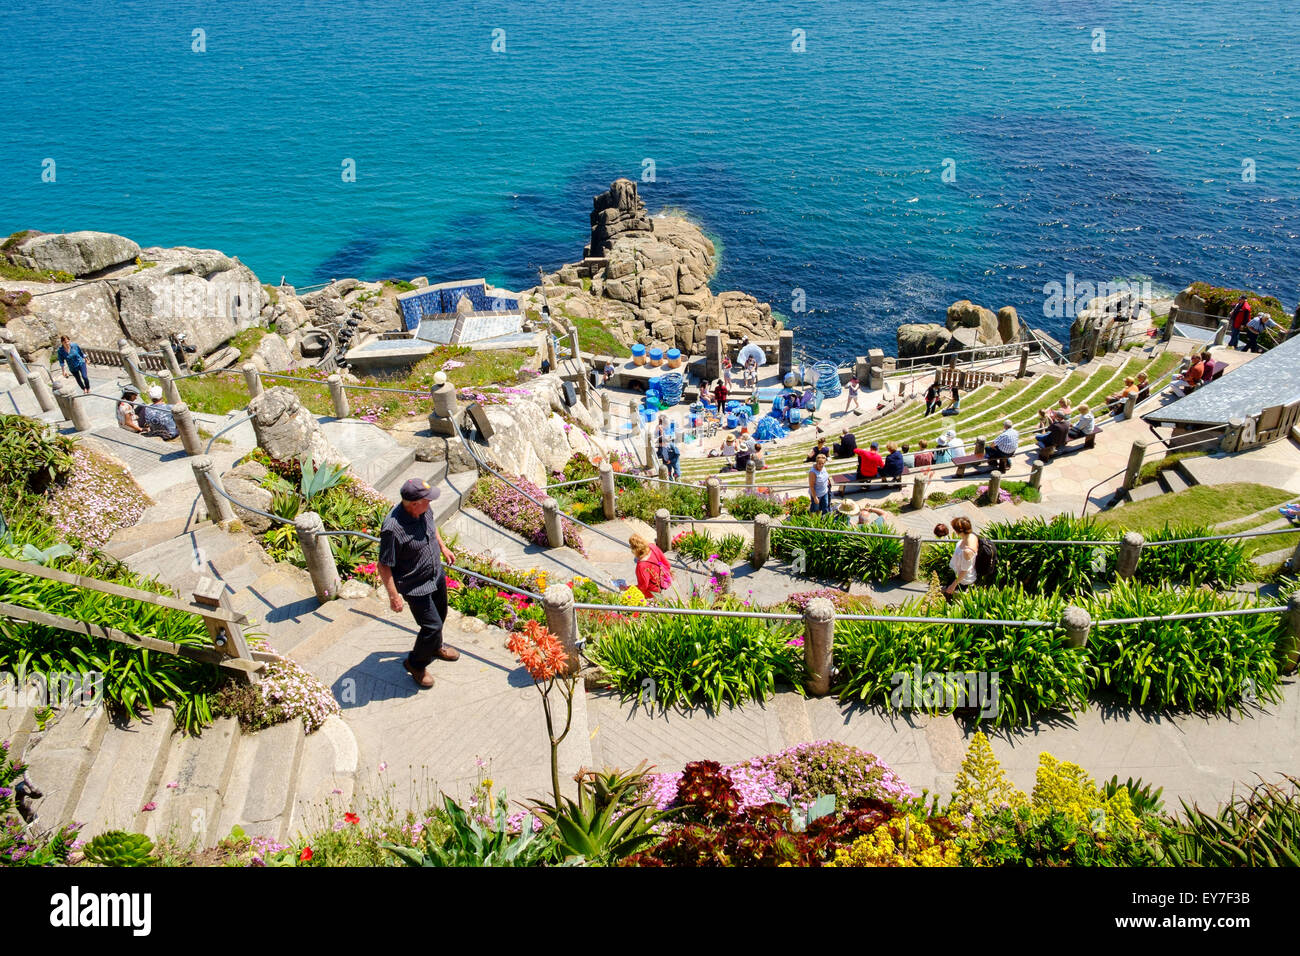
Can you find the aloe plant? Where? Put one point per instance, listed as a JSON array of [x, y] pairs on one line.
[[316, 480], [1261, 828], [119, 848], [605, 823], [474, 843]]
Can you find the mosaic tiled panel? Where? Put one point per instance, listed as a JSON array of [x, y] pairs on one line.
[[489, 327]]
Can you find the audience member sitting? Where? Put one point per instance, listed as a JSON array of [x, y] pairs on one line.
[[1115, 402], [1085, 425], [846, 446], [1191, 378], [127, 409], [923, 458], [894, 465], [1000, 450], [819, 449], [1211, 367], [757, 457], [1045, 414], [156, 419], [1057, 434], [869, 461]]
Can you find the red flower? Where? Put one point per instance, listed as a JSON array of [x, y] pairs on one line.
[[305, 855], [351, 818]]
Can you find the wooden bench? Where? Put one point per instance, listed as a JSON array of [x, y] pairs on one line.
[[970, 461], [852, 478], [1047, 452]]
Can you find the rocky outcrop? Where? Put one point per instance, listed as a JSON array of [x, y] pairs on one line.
[[967, 315], [244, 484], [647, 280], [76, 253], [536, 433], [286, 430], [272, 354], [1008, 324], [922, 338]]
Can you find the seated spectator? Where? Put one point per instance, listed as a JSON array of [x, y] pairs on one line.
[[127, 409], [1045, 414], [955, 407], [1192, 375], [1211, 366], [847, 512], [757, 457], [846, 446], [818, 450], [869, 461], [1115, 402], [606, 374], [1085, 425], [1001, 449], [893, 466], [156, 419], [908, 458], [923, 458], [1057, 434]]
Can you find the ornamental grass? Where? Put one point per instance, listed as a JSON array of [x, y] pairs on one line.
[[837, 557]]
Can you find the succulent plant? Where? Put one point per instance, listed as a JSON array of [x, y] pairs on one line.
[[119, 848]]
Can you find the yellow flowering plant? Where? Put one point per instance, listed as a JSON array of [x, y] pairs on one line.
[[903, 841], [632, 597]]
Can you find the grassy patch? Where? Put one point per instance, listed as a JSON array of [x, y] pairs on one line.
[[248, 340], [593, 336], [401, 285], [1151, 470], [1197, 505]]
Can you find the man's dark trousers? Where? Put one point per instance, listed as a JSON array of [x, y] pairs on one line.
[[430, 611]]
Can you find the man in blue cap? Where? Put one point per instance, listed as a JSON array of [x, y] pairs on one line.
[[411, 554]]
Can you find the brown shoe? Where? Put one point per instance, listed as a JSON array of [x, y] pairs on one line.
[[421, 677], [446, 653]]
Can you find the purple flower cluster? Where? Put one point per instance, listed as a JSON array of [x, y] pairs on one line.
[[515, 512], [96, 501]]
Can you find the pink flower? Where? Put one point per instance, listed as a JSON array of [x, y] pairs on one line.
[[149, 806]]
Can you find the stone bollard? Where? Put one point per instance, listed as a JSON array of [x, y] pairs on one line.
[[1024, 362], [1221, 333], [169, 356], [170, 392], [1130, 406], [1289, 645], [1036, 475], [551, 520], [1231, 440], [920, 485], [40, 386], [911, 567], [607, 420], [320, 557], [252, 379], [1130, 550], [79, 409], [749, 474], [16, 364], [1167, 333], [562, 621], [818, 644], [978, 448], [649, 445], [1135, 457], [445, 405], [721, 572], [189, 431], [219, 510], [661, 529], [995, 487], [663, 472], [1077, 623], [714, 491], [63, 398], [762, 540], [607, 493], [339, 396], [130, 356]]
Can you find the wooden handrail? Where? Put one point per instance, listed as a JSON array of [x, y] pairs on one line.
[[119, 590]]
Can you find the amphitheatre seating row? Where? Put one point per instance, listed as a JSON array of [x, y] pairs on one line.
[[1019, 400]]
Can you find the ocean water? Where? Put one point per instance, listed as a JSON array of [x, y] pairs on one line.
[[819, 171]]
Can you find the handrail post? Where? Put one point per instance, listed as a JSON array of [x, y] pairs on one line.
[[607, 493], [63, 398], [762, 540], [169, 356], [338, 396], [1167, 333], [1221, 333], [818, 646], [663, 472], [911, 567], [253, 379], [920, 485], [1232, 435], [189, 431], [219, 510], [1024, 362], [649, 446], [995, 486], [1036, 475], [40, 386], [749, 474], [1130, 552], [318, 554], [170, 391], [562, 621], [130, 356], [661, 529], [1077, 623], [1135, 457], [714, 491], [16, 364], [607, 421], [1130, 406], [551, 521]]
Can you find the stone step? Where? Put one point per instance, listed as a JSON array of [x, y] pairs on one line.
[[1142, 492], [16, 724], [1274, 557], [200, 767], [60, 760], [262, 790], [124, 776], [326, 776], [142, 536], [1172, 481]]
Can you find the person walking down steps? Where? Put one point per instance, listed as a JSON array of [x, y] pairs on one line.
[[411, 556]]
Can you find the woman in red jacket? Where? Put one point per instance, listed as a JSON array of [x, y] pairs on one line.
[[653, 573]]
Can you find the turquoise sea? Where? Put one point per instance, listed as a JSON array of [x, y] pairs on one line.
[[818, 169]]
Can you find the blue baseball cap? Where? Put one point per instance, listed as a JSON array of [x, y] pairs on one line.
[[417, 489]]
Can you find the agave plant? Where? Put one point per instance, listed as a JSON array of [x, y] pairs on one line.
[[119, 848], [1144, 800], [470, 842], [316, 481], [1261, 828], [605, 823]]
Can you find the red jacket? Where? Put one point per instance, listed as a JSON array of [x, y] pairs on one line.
[[654, 573], [869, 462]]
